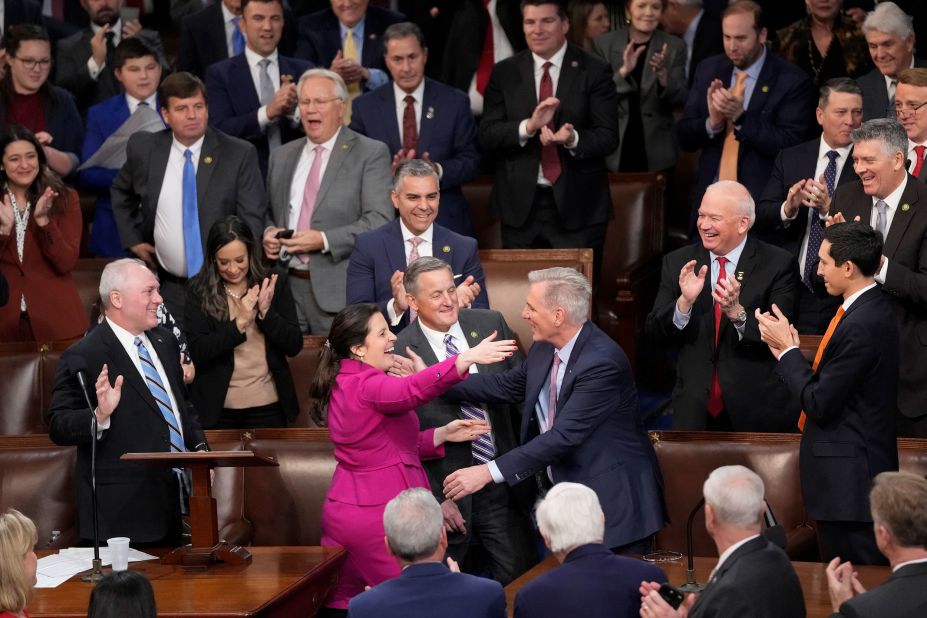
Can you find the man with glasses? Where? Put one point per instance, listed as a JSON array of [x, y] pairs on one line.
[[894, 203], [910, 102], [323, 192]]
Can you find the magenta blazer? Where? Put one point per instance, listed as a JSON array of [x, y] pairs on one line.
[[373, 425]]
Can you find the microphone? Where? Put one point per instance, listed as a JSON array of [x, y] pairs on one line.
[[774, 533], [79, 366], [692, 584]]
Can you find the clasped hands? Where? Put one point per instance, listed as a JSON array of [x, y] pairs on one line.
[[809, 193], [723, 105], [540, 121], [39, 213], [726, 292], [350, 70], [775, 331], [842, 582], [256, 302]]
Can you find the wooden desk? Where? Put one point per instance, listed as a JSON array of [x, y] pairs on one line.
[[280, 581], [811, 574]]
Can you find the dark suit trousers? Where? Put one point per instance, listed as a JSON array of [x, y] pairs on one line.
[[502, 531], [851, 540]]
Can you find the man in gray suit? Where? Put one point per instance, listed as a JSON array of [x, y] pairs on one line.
[[165, 200], [324, 191], [494, 517]]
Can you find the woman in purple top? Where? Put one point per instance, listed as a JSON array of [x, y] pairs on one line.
[[378, 446]]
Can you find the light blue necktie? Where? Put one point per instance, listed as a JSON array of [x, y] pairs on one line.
[[482, 448], [238, 39], [192, 241], [153, 380]]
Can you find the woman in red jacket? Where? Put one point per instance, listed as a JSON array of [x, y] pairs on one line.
[[40, 230]]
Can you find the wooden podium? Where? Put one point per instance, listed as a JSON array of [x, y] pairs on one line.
[[205, 547]]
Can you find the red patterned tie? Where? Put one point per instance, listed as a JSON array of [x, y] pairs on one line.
[[409, 126], [487, 56], [550, 158], [715, 400], [919, 151]]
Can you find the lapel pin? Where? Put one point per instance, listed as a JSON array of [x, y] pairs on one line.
[[740, 275], [765, 89], [446, 248], [373, 36], [574, 64], [207, 160], [474, 334], [344, 146], [430, 113], [905, 207]]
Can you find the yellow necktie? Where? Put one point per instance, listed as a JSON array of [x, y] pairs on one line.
[[728, 168], [350, 53]]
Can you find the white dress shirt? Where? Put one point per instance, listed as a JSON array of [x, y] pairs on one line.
[[425, 248], [168, 227], [152, 102], [273, 70], [298, 187], [891, 201], [92, 67], [436, 341], [501, 49]]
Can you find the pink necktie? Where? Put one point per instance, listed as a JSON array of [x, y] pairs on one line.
[[309, 194], [552, 392], [413, 255]]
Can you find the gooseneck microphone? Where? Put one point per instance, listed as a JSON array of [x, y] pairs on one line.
[[79, 366], [692, 584]]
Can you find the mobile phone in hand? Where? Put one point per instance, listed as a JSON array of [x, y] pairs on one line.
[[284, 234], [673, 596]]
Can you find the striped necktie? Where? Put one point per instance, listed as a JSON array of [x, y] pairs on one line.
[[156, 386], [482, 448]]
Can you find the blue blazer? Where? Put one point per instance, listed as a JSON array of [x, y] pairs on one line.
[[592, 582], [233, 102], [381, 252], [780, 115], [425, 587], [597, 439], [447, 132], [320, 37]]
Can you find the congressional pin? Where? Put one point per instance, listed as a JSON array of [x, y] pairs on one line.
[[740, 275], [574, 64], [905, 207], [373, 36], [474, 334], [765, 88], [344, 146], [446, 248], [430, 113], [207, 160]]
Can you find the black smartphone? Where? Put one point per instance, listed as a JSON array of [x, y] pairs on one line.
[[673, 596], [284, 234]]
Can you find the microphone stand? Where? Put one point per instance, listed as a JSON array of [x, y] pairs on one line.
[[96, 574], [691, 584]]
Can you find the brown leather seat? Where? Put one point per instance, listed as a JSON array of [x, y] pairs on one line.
[[20, 389], [304, 366]]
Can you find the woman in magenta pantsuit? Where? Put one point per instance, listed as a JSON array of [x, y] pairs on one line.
[[378, 446]]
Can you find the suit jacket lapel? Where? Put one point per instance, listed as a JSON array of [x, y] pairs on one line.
[[426, 125], [762, 88], [395, 247], [241, 78], [419, 344], [648, 77], [741, 272], [566, 387], [568, 72], [281, 190], [387, 110], [847, 174], [209, 159], [905, 211], [343, 145], [120, 364]]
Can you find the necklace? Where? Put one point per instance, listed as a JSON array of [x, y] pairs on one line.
[[231, 293], [21, 215]]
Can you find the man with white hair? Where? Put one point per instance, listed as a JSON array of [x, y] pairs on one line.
[[416, 536], [894, 203], [592, 581], [323, 191], [890, 35], [753, 577], [580, 421], [725, 375]]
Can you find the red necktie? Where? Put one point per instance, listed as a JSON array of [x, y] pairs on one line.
[[409, 128], [550, 158], [487, 56], [715, 400], [919, 151], [817, 356]]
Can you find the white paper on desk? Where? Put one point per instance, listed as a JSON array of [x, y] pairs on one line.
[[56, 569], [112, 154]]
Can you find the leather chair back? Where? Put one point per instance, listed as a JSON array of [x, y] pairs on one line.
[[20, 389], [303, 367]]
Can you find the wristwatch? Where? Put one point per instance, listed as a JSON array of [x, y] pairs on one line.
[[741, 318]]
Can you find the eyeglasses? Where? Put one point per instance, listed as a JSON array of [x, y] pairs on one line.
[[903, 109], [30, 63], [319, 103]]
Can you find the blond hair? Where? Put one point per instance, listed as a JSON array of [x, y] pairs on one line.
[[18, 537]]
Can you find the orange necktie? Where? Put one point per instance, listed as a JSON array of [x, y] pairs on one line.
[[728, 168], [817, 356]]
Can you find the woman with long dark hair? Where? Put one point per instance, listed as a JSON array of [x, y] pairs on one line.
[[378, 445], [27, 98], [241, 325], [40, 230], [589, 20], [122, 594]]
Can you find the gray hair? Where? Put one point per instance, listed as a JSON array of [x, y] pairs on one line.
[[424, 264], [403, 30], [838, 84], [567, 289], [569, 516], [413, 522], [888, 132], [735, 494], [746, 207], [114, 275], [341, 90], [418, 168], [890, 19]]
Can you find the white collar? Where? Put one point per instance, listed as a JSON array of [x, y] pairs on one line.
[[892, 199], [253, 58], [426, 236], [824, 148], [556, 59], [328, 145], [904, 564], [400, 94], [852, 298], [195, 147]]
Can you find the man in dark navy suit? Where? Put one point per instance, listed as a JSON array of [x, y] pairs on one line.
[[747, 104], [380, 256], [580, 421], [415, 535], [253, 95], [592, 581], [346, 39], [699, 30], [848, 396], [792, 210], [417, 117]]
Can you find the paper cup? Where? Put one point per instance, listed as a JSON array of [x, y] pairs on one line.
[[119, 552]]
